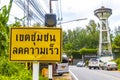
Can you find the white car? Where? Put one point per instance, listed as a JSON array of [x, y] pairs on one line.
[[110, 65], [95, 63], [63, 67]]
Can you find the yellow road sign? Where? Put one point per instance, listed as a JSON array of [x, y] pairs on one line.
[[35, 44]]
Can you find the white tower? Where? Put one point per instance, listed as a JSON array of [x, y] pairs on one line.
[[104, 39]]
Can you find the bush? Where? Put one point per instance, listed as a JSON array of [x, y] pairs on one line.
[[22, 75], [118, 62], [88, 51]]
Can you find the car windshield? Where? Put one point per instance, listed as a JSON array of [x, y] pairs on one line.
[[93, 59]]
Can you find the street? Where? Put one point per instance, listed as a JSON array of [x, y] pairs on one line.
[[83, 73]]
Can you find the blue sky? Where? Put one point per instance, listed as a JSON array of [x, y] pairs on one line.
[[77, 9]]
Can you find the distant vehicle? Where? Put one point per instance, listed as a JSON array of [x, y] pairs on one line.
[[63, 67], [110, 65], [80, 64], [94, 63], [106, 57]]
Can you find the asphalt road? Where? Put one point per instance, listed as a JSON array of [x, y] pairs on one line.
[[83, 73]]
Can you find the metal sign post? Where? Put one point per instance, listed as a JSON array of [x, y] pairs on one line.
[[35, 70], [50, 72]]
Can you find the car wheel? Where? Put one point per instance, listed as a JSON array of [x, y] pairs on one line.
[[102, 68], [98, 67], [90, 67], [116, 69], [94, 67], [60, 74]]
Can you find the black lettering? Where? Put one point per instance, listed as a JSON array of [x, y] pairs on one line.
[[14, 50], [42, 50], [37, 50], [27, 37], [52, 38], [46, 37], [46, 50], [51, 49], [16, 37], [20, 50], [33, 37], [56, 50], [32, 49], [26, 50], [39, 37], [21, 37]]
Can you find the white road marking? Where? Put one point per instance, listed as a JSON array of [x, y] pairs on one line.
[[73, 75]]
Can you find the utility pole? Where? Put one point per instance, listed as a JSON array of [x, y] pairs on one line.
[[50, 5], [50, 21], [28, 13]]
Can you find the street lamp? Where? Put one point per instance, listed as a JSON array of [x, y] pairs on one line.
[[73, 21]]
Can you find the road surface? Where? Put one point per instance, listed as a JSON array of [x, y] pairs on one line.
[[83, 73]]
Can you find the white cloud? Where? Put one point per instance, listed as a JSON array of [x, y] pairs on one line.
[[74, 9]]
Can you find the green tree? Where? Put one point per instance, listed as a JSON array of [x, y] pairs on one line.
[[74, 40], [80, 37], [92, 35], [16, 24], [65, 40], [117, 40], [4, 17]]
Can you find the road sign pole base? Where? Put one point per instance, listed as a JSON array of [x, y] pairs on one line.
[[50, 71], [35, 70]]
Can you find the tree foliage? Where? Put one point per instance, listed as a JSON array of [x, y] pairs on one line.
[[81, 37], [92, 35], [117, 40]]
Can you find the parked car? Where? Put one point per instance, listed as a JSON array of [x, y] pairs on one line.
[[62, 67], [95, 63], [80, 64], [110, 65]]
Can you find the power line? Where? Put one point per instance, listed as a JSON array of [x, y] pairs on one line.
[[36, 11]]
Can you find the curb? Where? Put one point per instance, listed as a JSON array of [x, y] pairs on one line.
[[65, 76]]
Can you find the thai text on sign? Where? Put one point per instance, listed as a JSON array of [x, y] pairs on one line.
[[43, 44]]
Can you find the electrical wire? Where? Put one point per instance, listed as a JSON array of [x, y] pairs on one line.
[[37, 11]]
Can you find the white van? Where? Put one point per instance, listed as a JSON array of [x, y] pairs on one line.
[[95, 63]]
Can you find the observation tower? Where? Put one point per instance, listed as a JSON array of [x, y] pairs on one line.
[[104, 36]]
